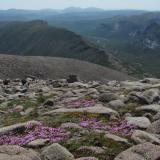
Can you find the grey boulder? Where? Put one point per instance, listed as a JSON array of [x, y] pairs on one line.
[[11, 152], [145, 151], [56, 152]]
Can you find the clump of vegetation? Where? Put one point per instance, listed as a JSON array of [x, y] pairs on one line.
[[112, 148], [30, 132], [120, 127], [13, 115], [128, 108]]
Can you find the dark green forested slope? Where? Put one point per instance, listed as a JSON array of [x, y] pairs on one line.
[[39, 39], [135, 40]]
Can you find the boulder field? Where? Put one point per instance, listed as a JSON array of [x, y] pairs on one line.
[[78, 120]]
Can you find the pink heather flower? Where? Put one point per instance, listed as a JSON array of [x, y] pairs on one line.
[[32, 133], [81, 103], [84, 124], [119, 127]]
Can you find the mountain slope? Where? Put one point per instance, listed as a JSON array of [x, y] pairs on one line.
[[37, 38], [135, 40], [48, 67]]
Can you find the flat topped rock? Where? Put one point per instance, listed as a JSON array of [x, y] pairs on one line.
[[56, 152], [38, 143], [154, 127], [140, 122], [157, 116], [87, 158], [99, 109], [116, 138], [145, 151], [150, 80], [134, 84], [91, 149], [8, 152], [152, 107], [107, 97], [16, 126], [139, 136]]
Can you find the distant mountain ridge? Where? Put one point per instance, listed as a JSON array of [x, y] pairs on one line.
[[132, 36], [135, 40], [71, 13], [37, 38]]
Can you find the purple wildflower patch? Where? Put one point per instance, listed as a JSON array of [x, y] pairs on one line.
[[81, 103], [32, 133], [117, 127]]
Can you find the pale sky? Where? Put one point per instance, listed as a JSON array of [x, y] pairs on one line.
[[60, 4]]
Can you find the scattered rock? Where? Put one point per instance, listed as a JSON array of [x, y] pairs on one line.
[[99, 109], [72, 79], [84, 102], [145, 151], [6, 82], [154, 127], [56, 152], [78, 85], [91, 149], [49, 102], [156, 117], [150, 80], [20, 89], [87, 158], [19, 108], [134, 85], [116, 104], [116, 138], [149, 108], [107, 97], [23, 81], [38, 143], [140, 122], [8, 152], [17, 126], [27, 111], [141, 137], [137, 97], [147, 97], [148, 115], [152, 95]]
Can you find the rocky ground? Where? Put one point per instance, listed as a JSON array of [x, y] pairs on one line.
[[61, 120], [12, 66]]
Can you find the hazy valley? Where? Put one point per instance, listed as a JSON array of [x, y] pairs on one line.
[[127, 40], [79, 84]]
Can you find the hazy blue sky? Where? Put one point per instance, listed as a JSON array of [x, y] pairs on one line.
[[59, 4]]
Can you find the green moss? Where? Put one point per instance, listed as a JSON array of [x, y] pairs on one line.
[[14, 119]]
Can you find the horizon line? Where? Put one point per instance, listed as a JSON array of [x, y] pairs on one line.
[[83, 8]]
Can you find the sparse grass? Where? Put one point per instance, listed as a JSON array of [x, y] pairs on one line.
[[129, 108], [93, 139], [57, 120], [16, 117], [41, 99]]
